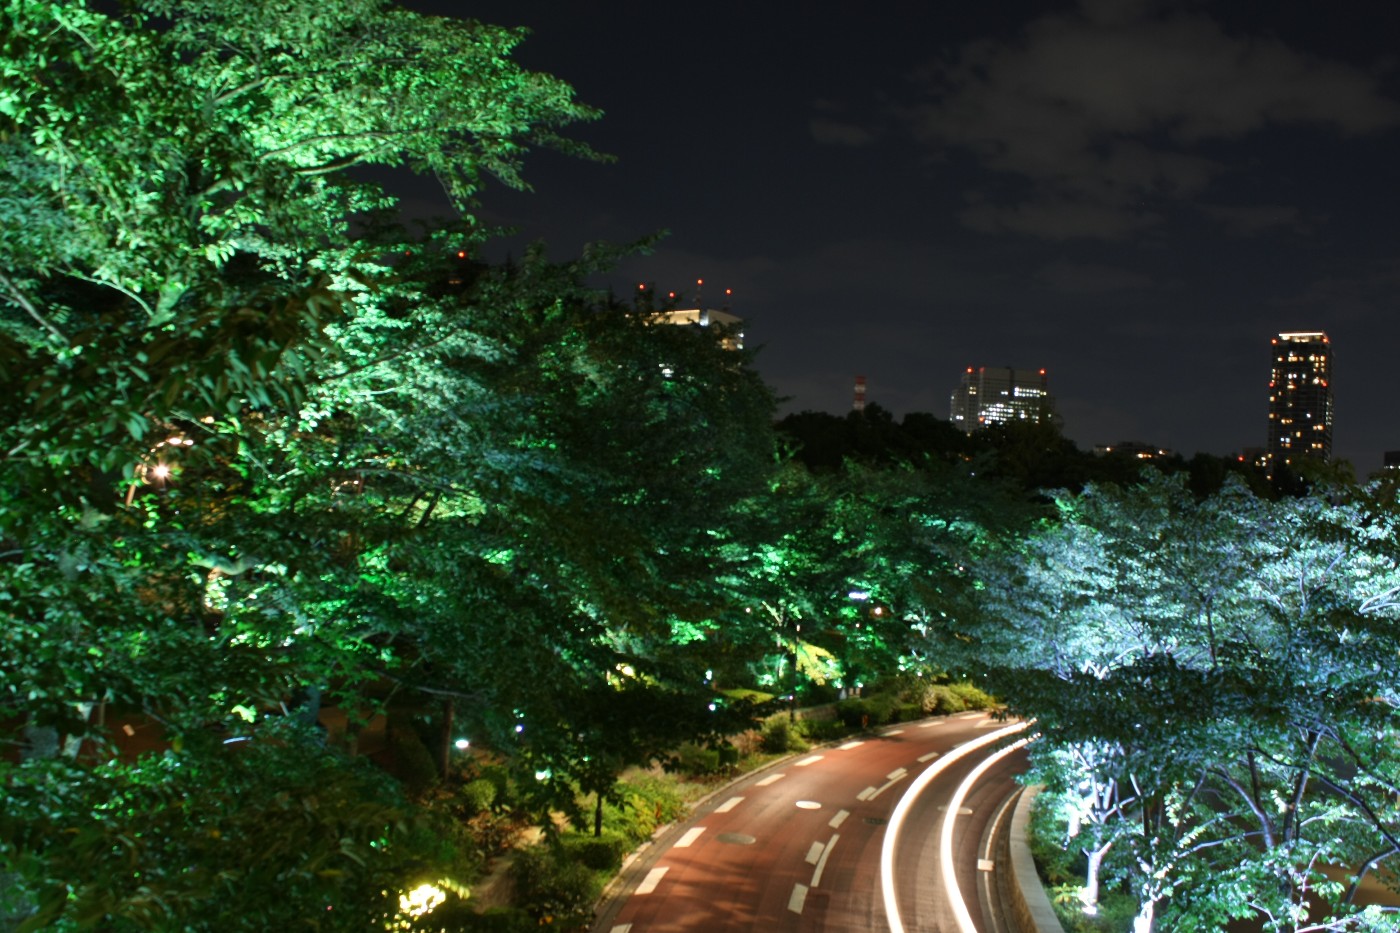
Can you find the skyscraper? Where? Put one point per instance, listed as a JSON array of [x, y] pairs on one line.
[[1300, 399], [995, 395]]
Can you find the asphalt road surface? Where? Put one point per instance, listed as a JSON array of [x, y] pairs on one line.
[[798, 847]]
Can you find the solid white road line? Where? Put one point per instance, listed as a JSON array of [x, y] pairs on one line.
[[839, 818], [798, 898], [729, 804], [690, 836], [652, 879], [902, 808], [769, 780]]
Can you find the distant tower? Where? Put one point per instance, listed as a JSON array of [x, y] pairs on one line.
[[1300, 399], [990, 395], [859, 403]]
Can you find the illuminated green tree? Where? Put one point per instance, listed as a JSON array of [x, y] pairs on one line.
[[195, 296]]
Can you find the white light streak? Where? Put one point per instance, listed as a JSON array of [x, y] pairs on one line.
[[902, 809]]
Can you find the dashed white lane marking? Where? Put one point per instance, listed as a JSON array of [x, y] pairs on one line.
[[808, 761], [989, 724], [729, 804], [850, 745], [893, 732], [622, 928], [930, 725], [808, 805], [984, 864], [652, 879], [814, 853], [969, 716], [690, 836], [894, 777], [929, 757], [769, 780], [839, 818], [799, 897], [821, 863]]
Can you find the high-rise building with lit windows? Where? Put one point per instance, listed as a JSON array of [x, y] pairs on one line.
[[990, 395], [1300, 399]]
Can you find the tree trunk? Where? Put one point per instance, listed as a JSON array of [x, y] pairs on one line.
[[598, 816], [1142, 923], [445, 744], [1090, 895]]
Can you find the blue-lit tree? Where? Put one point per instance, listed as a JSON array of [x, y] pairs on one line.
[[1209, 677]]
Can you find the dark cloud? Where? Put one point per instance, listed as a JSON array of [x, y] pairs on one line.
[[1094, 119], [1057, 216], [1090, 278], [838, 133], [1256, 219]]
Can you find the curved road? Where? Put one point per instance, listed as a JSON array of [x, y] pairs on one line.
[[798, 847]]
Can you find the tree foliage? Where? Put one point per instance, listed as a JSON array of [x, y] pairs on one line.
[[1214, 679]]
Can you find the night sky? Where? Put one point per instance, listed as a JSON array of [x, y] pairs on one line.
[[1134, 196]]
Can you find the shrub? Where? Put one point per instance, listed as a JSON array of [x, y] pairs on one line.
[[600, 853], [940, 699], [907, 712], [499, 776], [780, 736], [972, 697], [749, 742], [854, 713], [492, 832], [477, 796], [696, 759], [463, 918], [647, 803], [823, 730], [553, 889]]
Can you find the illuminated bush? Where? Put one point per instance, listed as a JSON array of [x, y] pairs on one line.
[[600, 853]]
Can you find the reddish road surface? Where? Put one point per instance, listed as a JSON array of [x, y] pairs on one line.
[[798, 847]]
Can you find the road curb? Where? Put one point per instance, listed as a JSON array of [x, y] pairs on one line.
[[1029, 903]]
